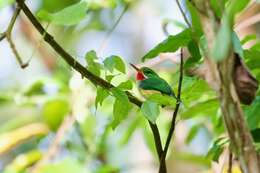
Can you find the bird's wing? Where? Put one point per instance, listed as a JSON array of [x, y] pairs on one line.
[[158, 84]]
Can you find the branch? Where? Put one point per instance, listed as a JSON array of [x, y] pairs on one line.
[[105, 40], [8, 35], [183, 14], [83, 71], [174, 116]]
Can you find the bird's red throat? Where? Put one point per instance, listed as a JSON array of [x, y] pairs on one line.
[[140, 76]]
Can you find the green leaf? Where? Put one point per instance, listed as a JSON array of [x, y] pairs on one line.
[[171, 44], [109, 78], [120, 112], [248, 38], [192, 133], [206, 108], [150, 110], [195, 54], [54, 111], [222, 42], [252, 114], [121, 106], [234, 7], [70, 15], [217, 148], [216, 6], [256, 134], [195, 19], [127, 85], [35, 89], [252, 58], [237, 45], [102, 94], [120, 95], [93, 65], [164, 100], [114, 62]]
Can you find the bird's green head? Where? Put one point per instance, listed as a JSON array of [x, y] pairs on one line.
[[144, 72]]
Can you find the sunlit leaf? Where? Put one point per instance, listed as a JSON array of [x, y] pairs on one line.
[[70, 15], [102, 94], [150, 110], [93, 65], [120, 112], [121, 106], [171, 44], [114, 62], [127, 85]]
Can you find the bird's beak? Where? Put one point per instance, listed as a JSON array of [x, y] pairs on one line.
[[136, 68]]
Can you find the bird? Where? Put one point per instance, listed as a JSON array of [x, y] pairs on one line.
[[149, 82]]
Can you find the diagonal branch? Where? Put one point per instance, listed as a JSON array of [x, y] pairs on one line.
[[83, 71]]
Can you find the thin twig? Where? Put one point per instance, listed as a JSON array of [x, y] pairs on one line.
[[174, 116], [183, 14], [105, 40], [2, 36], [8, 36], [83, 71], [16, 54]]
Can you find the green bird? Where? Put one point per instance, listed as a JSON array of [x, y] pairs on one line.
[[150, 82]]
